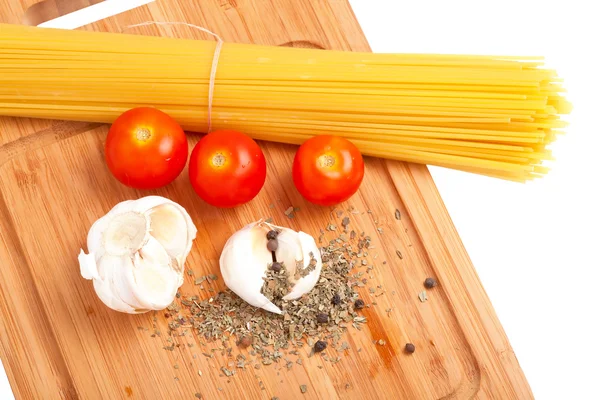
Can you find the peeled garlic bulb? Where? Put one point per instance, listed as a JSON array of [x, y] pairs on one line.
[[137, 252], [245, 260]]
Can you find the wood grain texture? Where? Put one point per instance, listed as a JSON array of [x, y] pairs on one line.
[[59, 341], [46, 10]]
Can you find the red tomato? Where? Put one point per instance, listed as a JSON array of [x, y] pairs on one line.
[[227, 168], [328, 170], [145, 148]]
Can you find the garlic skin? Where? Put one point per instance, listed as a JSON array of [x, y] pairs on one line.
[[137, 252], [245, 259]]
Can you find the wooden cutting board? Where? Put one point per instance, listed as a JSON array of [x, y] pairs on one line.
[[59, 341]]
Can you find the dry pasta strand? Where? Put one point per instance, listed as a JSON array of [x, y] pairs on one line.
[[486, 114]]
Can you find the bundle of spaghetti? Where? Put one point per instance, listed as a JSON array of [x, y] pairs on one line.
[[492, 115]]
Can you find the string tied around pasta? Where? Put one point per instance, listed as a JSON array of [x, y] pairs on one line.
[[215, 61]]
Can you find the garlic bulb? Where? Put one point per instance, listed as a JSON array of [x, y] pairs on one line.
[[137, 252], [245, 259]]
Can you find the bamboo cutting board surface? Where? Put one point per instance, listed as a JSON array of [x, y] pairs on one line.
[[59, 341]]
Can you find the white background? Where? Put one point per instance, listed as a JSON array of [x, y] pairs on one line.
[[534, 246]]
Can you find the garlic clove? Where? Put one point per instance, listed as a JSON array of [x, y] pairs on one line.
[[245, 259], [87, 265], [113, 268], [155, 287], [305, 284], [169, 227], [151, 204], [154, 277], [289, 249], [126, 233], [243, 262], [104, 293], [96, 232], [152, 253], [144, 204], [111, 290]]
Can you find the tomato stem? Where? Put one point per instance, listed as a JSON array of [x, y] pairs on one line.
[[143, 134], [326, 160], [218, 160]]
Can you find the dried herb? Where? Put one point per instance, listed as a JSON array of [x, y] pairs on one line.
[[303, 388], [198, 281], [276, 283], [289, 212], [321, 316], [423, 296], [399, 254], [397, 214]]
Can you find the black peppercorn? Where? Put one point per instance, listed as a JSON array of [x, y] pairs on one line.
[[358, 304], [276, 266], [410, 348], [322, 318], [336, 299], [272, 235], [320, 346], [272, 245], [430, 283]]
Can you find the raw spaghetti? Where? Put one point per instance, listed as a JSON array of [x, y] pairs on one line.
[[492, 115]]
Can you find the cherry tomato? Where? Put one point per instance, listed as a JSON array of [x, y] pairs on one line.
[[227, 168], [145, 148], [327, 170]]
